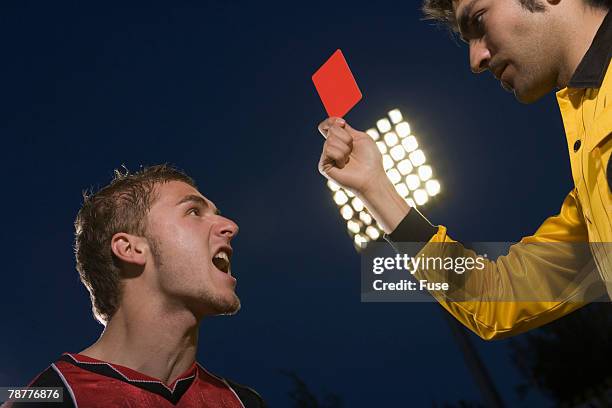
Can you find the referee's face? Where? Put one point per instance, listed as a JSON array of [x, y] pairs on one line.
[[191, 251], [518, 41]]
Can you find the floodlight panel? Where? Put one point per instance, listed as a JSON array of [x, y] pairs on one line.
[[333, 186], [391, 139], [383, 125], [402, 129], [387, 162], [373, 232], [398, 153], [394, 176], [412, 181], [395, 115], [365, 217], [373, 133], [405, 166], [410, 143], [347, 212], [417, 158], [402, 189], [425, 172], [420, 196], [340, 197], [353, 226], [432, 187]]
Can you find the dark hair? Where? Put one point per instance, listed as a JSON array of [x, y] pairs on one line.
[[443, 11], [121, 206]]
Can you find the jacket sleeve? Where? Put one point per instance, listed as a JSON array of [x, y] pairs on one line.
[[543, 277]]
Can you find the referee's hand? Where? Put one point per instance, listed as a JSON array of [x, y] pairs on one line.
[[352, 159], [349, 157]]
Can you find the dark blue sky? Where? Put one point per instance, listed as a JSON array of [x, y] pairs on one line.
[[223, 90]]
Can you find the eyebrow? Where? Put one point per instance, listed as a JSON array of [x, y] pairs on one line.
[[196, 199], [464, 19]]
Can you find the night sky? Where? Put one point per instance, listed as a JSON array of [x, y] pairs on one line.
[[223, 90]]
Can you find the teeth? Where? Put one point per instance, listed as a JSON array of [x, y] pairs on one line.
[[222, 255], [222, 262]]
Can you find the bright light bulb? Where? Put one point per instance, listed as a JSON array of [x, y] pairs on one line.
[[357, 204], [398, 153], [425, 172], [411, 202], [394, 176], [420, 196], [433, 187], [360, 240], [347, 212], [410, 143], [373, 232], [332, 185], [387, 162], [349, 193], [395, 115], [402, 189], [404, 167], [353, 226], [373, 133], [413, 181], [382, 147], [402, 129], [383, 125], [417, 158], [340, 197], [365, 218], [391, 139]]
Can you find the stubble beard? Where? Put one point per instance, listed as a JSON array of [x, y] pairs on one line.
[[215, 304]]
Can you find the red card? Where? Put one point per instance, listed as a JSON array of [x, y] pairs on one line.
[[336, 86]]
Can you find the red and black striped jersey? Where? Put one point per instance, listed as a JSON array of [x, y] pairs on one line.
[[91, 383]]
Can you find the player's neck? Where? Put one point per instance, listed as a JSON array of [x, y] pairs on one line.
[[149, 339], [579, 40]]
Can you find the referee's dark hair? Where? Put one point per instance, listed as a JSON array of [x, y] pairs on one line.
[[443, 12]]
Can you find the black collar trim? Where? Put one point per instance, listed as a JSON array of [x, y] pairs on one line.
[[592, 69], [156, 387]]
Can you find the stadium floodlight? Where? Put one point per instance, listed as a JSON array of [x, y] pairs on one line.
[[407, 168], [391, 139], [425, 172], [373, 134], [383, 125], [396, 116]]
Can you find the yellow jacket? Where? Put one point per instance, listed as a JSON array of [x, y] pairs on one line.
[[548, 274]]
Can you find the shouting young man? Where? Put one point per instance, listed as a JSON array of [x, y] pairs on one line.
[[531, 47], [155, 256]]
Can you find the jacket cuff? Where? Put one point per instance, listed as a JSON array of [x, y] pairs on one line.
[[413, 228]]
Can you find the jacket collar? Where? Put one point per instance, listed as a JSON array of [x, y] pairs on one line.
[[592, 69]]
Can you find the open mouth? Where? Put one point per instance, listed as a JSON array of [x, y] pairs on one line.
[[222, 261]]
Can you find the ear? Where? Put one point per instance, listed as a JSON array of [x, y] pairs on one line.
[[129, 248]]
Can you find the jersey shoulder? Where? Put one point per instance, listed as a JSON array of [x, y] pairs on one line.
[[49, 378], [249, 397]]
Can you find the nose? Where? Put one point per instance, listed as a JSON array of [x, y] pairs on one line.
[[480, 56], [227, 228]]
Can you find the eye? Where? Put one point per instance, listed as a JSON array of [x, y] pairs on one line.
[[194, 211], [478, 23]]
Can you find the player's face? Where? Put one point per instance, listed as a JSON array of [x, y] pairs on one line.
[[517, 45], [191, 251]]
